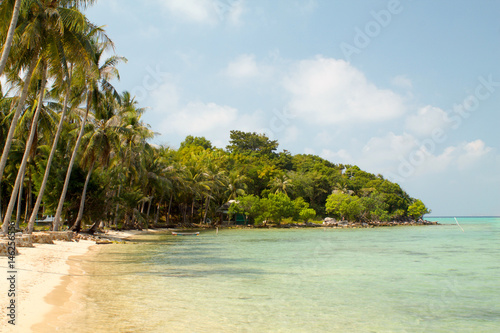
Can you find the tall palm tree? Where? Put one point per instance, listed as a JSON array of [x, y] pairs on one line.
[[41, 30], [102, 138], [133, 178], [20, 173], [78, 46], [10, 34], [46, 22], [20, 105], [100, 77]]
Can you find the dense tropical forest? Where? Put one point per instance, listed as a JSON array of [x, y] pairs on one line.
[[76, 148]]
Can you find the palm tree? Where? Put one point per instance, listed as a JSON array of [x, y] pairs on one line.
[[133, 142], [281, 184], [102, 138], [15, 16], [10, 35], [17, 113], [101, 76], [44, 23], [41, 32], [236, 185], [20, 173]]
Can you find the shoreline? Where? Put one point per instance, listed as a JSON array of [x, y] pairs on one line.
[[40, 269], [48, 287]]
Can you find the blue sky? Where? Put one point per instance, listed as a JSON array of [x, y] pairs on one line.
[[408, 89]]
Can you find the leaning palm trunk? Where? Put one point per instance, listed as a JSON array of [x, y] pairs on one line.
[[206, 210], [22, 168], [19, 201], [13, 124], [147, 214], [115, 222], [157, 215], [77, 225], [10, 35], [57, 217], [169, 206], [31, 222]]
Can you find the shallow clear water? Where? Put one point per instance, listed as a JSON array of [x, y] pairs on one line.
[[399, 279]]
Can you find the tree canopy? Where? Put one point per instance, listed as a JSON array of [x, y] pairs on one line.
[[245, 142]]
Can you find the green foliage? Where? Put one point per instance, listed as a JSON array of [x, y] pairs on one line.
[[276, 207], [417, 209], [196, 141], [248, 205], [334, 203], [246, 142], [273, 208], [307, 214]]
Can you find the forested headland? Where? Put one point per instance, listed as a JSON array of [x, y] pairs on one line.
[[76, 148]]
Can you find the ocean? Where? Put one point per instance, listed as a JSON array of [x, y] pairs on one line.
[[395, 279]]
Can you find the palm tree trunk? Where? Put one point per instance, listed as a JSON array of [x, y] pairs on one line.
[[19, 201], [29, 200], [192, 211], [26, 206], [157, 216], [13, 124], [116, 210], [77, 225], [10, 35], [147, 214], [206, 210], [57, 217], [27, 149], [38, 202], [169, 206]]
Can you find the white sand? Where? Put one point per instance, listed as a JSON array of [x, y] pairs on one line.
[[46, 295], [39, 271]]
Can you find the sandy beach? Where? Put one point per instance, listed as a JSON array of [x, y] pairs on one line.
[[40, 269], [47, 288]]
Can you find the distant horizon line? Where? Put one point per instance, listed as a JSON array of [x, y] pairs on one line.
[[451, 216]]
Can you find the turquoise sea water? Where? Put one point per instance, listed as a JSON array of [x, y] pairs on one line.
[[399, 279]]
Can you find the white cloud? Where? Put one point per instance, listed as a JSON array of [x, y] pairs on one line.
[[471, 153], [177, 119], [165, 97], [400, 157], [235, 12], [290, 135], [341, 156], [198, 118], [402, 81], [427, 120], [206, 11], [201, 11], [243, 67], [330, 91]]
